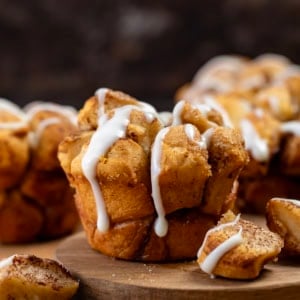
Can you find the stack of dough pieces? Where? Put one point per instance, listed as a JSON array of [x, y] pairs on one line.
[[146, 190], [238, 248], [260, 98], [36, 201]]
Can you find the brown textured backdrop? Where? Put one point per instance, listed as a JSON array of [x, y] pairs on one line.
[[64, 50]]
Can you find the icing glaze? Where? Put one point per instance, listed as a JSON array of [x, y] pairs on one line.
[[34, 137], [177, 111], [206, 136], [207, 77], [213, 258], [67, 111], [7, 261], [291, 127], [253, 82], [257, 146], [12, 108], [209, 100], [293, 201], [100, 95], [165, 117], [110, 131], [274, 104], [272, 58], [289, 71], [223, 62], [161, 224], [204, 140]]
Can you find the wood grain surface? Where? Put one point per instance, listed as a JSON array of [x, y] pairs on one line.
[[42, 249], [103, 277]]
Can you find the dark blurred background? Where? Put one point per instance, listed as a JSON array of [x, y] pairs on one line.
[[64, 50]]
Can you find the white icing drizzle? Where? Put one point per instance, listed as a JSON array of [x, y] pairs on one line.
[[177, 111], [211, 75], [293, 201], [161, 224], [206, 136], [258, 112], [13, 125], [203, 108], [165, 117], [102, 139], [149, 111], [7, 261], [147, 107], [101, 95], [253, 82], [11, 107], [257, 146], [291, 127], [8, 106], [209, 100], [272, 58], [213, 258], [223, 62], [34, 107], [190, 131], [212, 82], [289, 71], [204, 141], [274, 103], [34, 137]]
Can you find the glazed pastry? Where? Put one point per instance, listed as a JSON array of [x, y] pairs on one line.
[[237, 248], [31, 277], [283, 217], [14, 148], [227, 159], [254, 193], [260, 98], [36, 200], [49, 123], [145, 192]]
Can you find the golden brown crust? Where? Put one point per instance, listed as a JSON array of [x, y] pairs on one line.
[[264, 92], [37, 201], [44, 152], [123, 174], [14, 158], [88, 115], [30, 277], [184, 170], [203, 122], [246, 260], [283, 217], [186, 232], [20, 221], [128, 176], [227, 158]]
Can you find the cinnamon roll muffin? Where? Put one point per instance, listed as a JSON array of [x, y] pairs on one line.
[[36, 200], [260, 98], [146, 191]]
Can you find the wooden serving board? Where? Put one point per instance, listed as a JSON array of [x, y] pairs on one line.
[[102, 277]]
